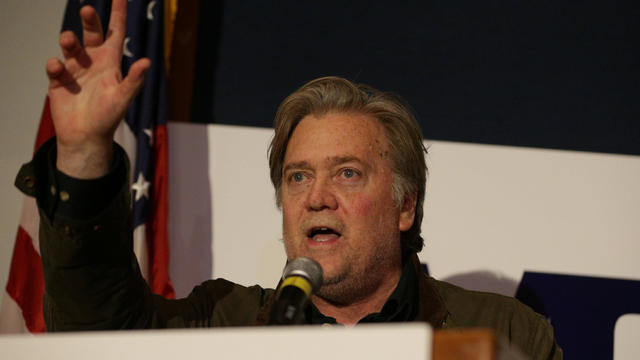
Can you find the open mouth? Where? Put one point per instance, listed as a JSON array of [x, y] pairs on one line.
[[322, 234]]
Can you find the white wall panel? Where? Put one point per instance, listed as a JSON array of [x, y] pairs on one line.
[[504, 210]]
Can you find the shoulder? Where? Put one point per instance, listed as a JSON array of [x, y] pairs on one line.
[[217, 302], [476, 308], [510, 318], [233, 304], [222, 290]]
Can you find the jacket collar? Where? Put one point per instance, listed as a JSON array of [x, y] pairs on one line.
[[431, 307]]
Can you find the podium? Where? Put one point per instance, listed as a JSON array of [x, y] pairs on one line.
[[401, 341], [407, 341]]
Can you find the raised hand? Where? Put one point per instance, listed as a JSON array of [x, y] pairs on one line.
[[87, 94]]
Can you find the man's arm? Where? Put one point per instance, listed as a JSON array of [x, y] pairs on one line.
[[92, 279]]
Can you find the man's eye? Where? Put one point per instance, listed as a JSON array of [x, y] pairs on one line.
[[348, 173], [297, 177]]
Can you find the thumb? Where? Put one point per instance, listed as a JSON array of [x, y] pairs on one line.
[[131, 84]]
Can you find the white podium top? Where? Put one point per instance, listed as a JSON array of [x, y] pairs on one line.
[[387, 341]]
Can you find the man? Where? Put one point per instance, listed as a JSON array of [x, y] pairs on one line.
[[347, 164]]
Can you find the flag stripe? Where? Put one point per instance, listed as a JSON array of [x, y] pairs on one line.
[[141, 249], [159, 248], [125, 137], [26, 285], [30, 221]]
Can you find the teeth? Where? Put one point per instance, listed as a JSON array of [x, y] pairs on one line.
[[322, 234]]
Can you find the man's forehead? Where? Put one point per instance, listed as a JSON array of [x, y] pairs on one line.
[[329, 161], [347, 129], [336, 138]]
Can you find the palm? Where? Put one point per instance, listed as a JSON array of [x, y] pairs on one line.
[[90, 103]]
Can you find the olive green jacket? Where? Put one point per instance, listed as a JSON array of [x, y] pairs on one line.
[[92, 282]]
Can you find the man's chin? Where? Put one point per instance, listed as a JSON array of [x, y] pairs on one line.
[[332, 274], [338, 291]]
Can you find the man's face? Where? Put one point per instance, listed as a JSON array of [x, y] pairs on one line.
[[337, 204]]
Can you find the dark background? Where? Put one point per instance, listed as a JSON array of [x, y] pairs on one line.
[[550, 74]]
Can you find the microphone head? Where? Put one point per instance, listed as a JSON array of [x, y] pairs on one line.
[[307, 268]]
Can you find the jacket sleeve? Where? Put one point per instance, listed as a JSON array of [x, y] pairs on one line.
[[92, 280], [91, 275]]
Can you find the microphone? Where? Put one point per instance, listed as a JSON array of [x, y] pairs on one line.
[[300, 278]]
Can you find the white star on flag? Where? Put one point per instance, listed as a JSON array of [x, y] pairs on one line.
[[125, 48], [150, 10], [141, 187], [149, 133]]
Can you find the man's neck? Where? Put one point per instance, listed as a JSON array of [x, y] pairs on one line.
[[350, 314]]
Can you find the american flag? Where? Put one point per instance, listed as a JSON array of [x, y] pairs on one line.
[[143, 135]]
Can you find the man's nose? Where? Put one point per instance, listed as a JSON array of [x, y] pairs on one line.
[[321, 196]]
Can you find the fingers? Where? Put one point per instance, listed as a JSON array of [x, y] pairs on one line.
[[135, 78], [71, 49], [54, 68], [70, 44], [59, 76], [117, 24], [91, 27]]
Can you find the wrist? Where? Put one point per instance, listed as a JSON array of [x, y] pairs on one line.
[[86, 161]]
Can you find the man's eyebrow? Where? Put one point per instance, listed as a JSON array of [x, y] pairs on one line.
[[337, 160], [332, 161], [296, 165]]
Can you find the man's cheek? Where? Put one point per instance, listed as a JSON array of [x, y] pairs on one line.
[[360, 207]]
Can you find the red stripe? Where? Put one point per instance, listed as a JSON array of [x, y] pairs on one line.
[[26, 284], [157, 231]]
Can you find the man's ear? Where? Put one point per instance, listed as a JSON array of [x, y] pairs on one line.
[[407, 212]]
